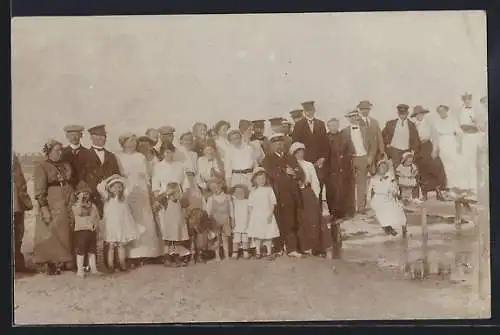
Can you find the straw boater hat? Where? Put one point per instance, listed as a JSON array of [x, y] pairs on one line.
[[418, 110], [351, 113], [296, 146], [116, 178], [276, 137]]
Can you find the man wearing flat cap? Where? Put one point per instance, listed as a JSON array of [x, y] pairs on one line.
[[285, 173], [154, 136], [277, 127], [297, 115], [400, 135], [75, 153], [311, 132], [258, 135], [357, 155], [167, 134], [99, 163], [374, 131]]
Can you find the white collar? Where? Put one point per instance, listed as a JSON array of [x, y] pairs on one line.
[[74, 147], [309, 119], [278, 154], [97, 147]]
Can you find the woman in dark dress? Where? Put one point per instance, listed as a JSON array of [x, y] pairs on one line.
[[54, 194]]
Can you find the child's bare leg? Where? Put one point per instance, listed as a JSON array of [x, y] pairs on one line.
[[245, 245], [258, 246], [93, 264], [269, 247], [121, 256], [111, 256], [225, 246], [217, 247], [80, 270], [236, 245]]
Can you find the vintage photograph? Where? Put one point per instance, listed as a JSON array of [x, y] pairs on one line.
[[250, 167]]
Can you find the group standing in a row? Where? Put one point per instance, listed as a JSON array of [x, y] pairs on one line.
[[156, 200]]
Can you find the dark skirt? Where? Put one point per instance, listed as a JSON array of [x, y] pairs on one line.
[[310, 222], [431, 171]]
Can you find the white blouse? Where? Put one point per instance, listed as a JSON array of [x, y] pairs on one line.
[[239, 159], [165, 172], [447, 126], [310, 176]]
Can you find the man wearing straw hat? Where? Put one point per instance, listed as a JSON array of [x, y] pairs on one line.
[[374, 131]]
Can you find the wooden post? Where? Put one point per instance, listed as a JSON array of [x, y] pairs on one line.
[[483, 245], [425, 237]]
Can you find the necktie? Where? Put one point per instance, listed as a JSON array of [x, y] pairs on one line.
[[75, 151], [98, 149]]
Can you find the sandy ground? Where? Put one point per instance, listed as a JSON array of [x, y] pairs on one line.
[[366, 284]]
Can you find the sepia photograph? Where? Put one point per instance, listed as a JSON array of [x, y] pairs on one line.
[[250, 168]]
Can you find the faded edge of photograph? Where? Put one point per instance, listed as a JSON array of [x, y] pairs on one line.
[[247, 168]]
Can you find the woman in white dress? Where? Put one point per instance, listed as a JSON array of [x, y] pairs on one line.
[[168, 171], [221, 130], [310, 216], [448, 138], [382, 192], [134, 167]]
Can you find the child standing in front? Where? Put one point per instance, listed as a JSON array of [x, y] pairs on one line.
[[173, 225], [406, 173], [119, 226], [383, 192], [262, 226], [87, 220], [220, 209], [241, 217]]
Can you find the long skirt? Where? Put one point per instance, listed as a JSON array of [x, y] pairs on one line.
[[53, 242], [149, 244], [452, 161], [470, 147], [310, 222], [431, 171]]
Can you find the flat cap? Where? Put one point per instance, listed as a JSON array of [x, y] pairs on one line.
[[97, 130], [365, 104], [258, 123], [403, 107], [308, 105], [166, 130], [276, 137], [296, 113], [466, 96], [276, 121], [73, 128]]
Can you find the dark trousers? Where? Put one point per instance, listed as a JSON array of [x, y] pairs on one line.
[[18, 240], [287, 218]]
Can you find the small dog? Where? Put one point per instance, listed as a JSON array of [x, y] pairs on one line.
[[200, 232]]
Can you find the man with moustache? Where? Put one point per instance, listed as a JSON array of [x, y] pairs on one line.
[[167, 134], [74, 153], [311, 132], [284, 173], [374, 131], [278, 127], [154, 135], [296, 115], [258, 135]]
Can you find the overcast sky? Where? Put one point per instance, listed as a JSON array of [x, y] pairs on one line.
[[136, 72]]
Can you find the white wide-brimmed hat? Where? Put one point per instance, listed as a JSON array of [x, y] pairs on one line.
[[296, 146]]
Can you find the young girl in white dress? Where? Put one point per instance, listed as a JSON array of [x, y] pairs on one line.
[[383, 191], [119, 226], [262, 226], [241, 217], [406, 173]]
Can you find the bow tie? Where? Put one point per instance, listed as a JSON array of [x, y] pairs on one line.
[[98, 149], [310, 120], [468, 107], [355, 128]]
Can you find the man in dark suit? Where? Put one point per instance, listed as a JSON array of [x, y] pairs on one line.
[[258, 135], [311, 132], [373, 129], [297, 115], [167, 134], [400, 135], [99, 164], [361, 153], [75, 153], [278, 127], [284, 172]]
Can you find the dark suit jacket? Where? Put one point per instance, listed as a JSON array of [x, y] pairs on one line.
[[316, 143], [77, 163], [95, 172], [375, 135], [285, 186], [349, 146], [388, 133]]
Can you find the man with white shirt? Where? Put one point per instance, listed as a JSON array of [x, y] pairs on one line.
[[239, 161], [431, 176], [74, 153], [400, 135], [471, 139], [362, 153]]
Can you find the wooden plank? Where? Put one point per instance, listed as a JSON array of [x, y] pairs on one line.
[[425, 240]]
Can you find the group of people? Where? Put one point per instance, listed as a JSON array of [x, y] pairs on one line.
[[236, 191]]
